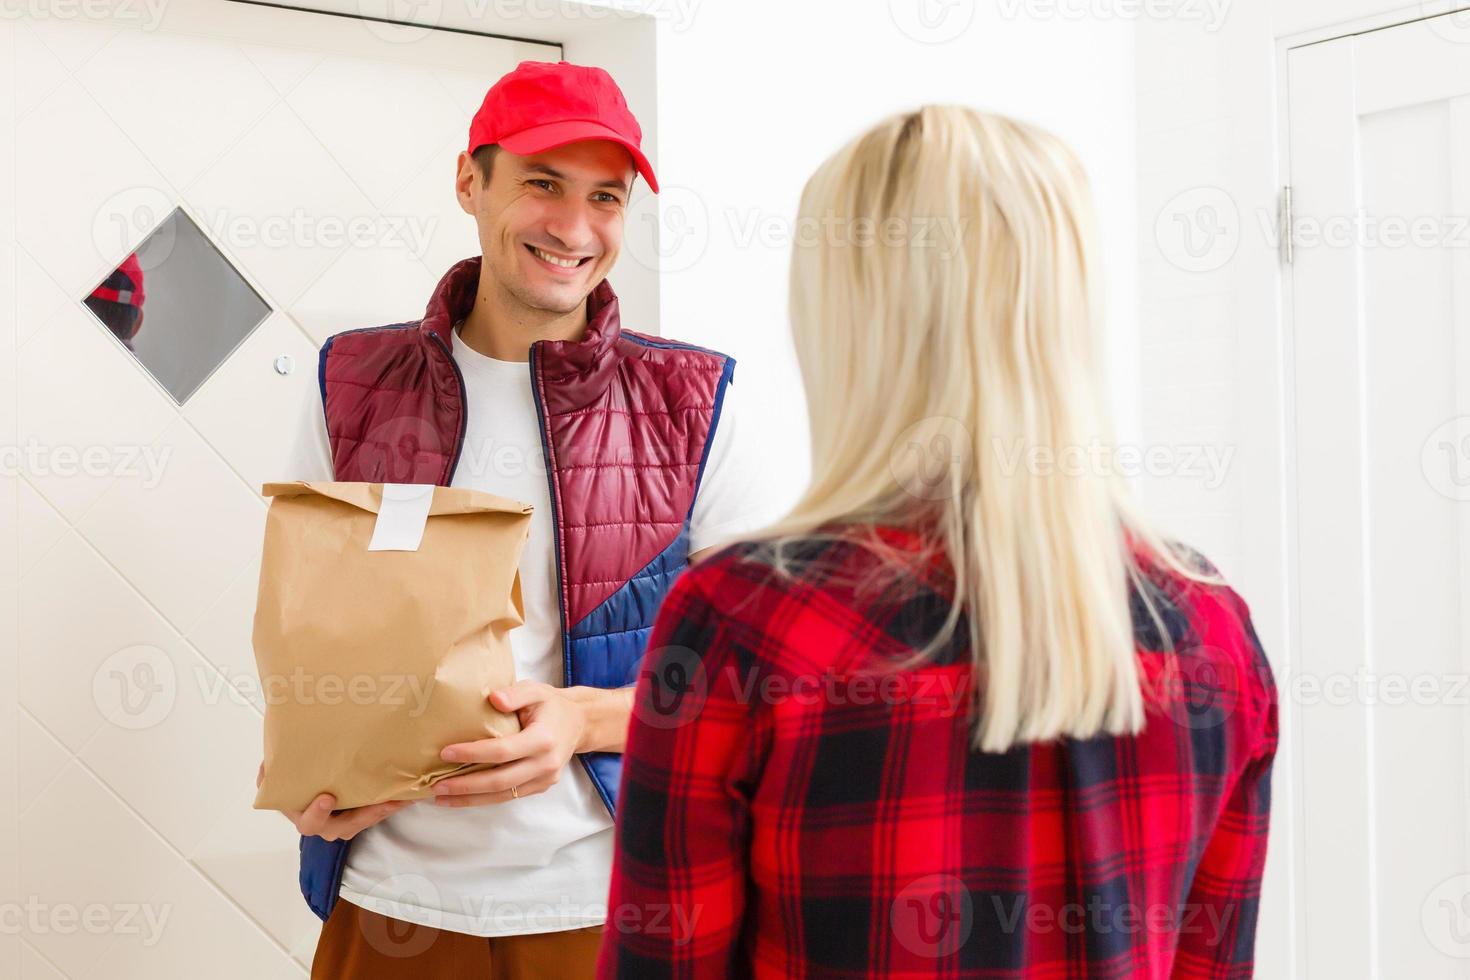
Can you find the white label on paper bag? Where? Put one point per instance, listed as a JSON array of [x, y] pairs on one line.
[[402, 516]]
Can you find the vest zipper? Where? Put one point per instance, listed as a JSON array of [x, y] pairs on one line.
[[561, 584], [464, 410]]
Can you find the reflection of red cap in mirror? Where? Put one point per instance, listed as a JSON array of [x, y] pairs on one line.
[[123, 287], [542, 105]]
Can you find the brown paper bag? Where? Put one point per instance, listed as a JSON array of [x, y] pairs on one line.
[[371, 661]]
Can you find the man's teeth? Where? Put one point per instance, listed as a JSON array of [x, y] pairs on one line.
[[548, 257]]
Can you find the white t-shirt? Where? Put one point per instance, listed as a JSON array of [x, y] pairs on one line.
[[541, 863]]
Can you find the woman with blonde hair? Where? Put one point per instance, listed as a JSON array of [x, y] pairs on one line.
[[962, 712]]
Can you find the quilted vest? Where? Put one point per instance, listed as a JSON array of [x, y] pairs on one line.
[[626, 421]]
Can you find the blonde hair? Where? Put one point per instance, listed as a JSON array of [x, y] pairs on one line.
[[946, 323]]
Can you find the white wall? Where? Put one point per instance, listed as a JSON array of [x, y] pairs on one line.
[[754, 95], [1206, 139]]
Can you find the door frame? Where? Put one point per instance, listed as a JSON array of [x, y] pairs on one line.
[[9, 510]]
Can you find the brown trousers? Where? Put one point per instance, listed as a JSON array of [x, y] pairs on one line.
[[358, 944]]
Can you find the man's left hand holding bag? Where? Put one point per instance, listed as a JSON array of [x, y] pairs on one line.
[[320, 820]]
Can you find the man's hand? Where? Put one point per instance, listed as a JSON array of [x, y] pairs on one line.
[[530, 761], [318, 820]]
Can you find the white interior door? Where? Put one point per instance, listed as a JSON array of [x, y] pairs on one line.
[[300, 167], [1380, 712]]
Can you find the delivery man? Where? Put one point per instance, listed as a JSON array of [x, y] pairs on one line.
[[521, 381]]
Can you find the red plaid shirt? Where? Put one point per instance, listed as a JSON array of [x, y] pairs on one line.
[[794, 807]]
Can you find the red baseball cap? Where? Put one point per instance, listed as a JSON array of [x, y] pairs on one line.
[[542, 105]]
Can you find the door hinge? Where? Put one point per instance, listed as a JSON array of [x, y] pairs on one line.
[[1286, 230]]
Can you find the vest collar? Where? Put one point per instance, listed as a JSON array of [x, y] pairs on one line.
[[454, 297]]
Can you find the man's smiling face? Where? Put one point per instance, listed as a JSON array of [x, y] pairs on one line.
[[551, 224]]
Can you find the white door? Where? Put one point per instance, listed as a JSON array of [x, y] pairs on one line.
[[1380, 384], [298, 168]]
